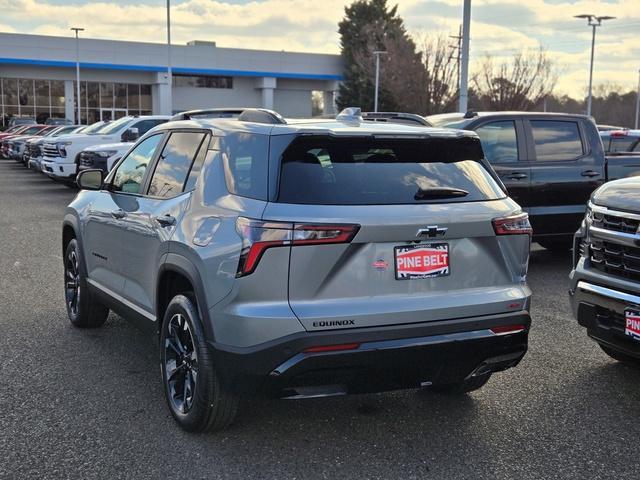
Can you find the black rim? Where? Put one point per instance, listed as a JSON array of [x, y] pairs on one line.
[[180, 364], [72, 282]]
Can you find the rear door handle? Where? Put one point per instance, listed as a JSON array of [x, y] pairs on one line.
[[119, 213], [166, 220], [590, 173], [516, 176]]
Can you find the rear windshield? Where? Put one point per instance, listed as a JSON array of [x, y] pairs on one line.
[[368, 171]]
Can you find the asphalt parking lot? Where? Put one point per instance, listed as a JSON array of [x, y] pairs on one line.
[[89, 404]]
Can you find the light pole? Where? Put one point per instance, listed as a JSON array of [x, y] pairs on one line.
[[377, 53], [464, 66], [78, 29], [638, 102], [593, 21], [169, 73]]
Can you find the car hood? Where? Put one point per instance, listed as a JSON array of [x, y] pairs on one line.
[[621, 194], [110, 146]]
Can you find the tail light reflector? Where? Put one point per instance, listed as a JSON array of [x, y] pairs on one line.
[[508, 329], [513, 225], [332, 348], [258, 236]]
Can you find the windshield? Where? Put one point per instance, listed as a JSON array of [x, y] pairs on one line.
[[114, 127], [31, 130], [354, 171]]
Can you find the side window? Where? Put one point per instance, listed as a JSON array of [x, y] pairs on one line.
[[174, 164], [556, 140], [145, 125], [621, 144], [636, 147], [129, 174], [245, 162], [499, 141], [197, 165]]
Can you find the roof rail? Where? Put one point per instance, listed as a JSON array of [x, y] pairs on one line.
[[395, 117], [470, 114], [255, 115]]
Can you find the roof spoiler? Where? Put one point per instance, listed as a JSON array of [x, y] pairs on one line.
[[255, 115]]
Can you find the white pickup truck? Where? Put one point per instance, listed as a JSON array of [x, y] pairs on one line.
[[62, 156]]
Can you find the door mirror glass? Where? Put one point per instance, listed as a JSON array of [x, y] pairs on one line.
[[130, 135], [90, 179]]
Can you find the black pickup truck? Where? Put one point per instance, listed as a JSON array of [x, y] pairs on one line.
[[549, 162]]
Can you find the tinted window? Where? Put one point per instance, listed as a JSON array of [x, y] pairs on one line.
[[145, 125], [245, 161], [556, 140], [621, 144], [174, 164], [334, 171], [129, 174], [499, 141]]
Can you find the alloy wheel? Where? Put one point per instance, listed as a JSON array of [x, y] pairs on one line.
[[180, 364], [72, 282]]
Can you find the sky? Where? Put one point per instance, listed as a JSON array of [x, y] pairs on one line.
[[499, 28]]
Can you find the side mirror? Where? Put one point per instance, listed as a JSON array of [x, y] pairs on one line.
[[90, 179], [130, 135]]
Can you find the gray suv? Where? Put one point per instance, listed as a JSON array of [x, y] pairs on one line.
[[302, 258]]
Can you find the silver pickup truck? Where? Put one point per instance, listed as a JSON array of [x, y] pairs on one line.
[[605, 280]]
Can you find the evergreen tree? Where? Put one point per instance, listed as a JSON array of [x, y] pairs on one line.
[[370, 25]]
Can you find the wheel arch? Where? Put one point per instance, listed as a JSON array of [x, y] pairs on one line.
[[176, 274]]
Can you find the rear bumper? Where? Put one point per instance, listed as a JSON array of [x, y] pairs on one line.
[[600, 310], [386, 358]]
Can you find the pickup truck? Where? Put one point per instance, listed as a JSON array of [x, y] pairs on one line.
[[61, 156], [605, 280], [549, 162]]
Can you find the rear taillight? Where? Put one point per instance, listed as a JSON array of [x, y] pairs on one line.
[[332, 348], [258, 236], [513, 225]]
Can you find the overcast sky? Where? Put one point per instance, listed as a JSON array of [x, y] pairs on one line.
[[499, 27]]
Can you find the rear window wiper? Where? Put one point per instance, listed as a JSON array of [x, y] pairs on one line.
[[439, 192]]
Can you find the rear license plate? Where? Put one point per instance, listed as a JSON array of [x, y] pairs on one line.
[[422, 261], [632, 323]]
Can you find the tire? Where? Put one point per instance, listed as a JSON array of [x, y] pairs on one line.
[[621, 357], [465, 386], [83, 310], [196, 398], [559, 245]]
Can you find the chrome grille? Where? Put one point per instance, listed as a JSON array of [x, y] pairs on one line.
[[51, 150], [615, 223], [86, 158], [35, 150], [615, 259]]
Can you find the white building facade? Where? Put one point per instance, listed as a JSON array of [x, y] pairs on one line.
[[37, 78]]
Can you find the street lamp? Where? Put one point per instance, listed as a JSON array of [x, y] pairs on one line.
[[377, 53], [638, 102], [77, 29], [593, 21], [169, 72]]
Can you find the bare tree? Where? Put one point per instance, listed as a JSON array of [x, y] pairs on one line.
[[423, 81], [520, 84]]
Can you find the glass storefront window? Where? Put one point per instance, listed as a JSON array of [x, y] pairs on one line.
[[93, 95], [57, 93], [10, 88], [120, 90], [42, 93], [133, 96], [106, 95], [25, 94], [145, 97]]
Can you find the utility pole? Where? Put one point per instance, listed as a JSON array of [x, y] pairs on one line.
[[457, 47], [78, 29], [464, 64], [169, 71], [592, 21], [638, 103], [377, 54]]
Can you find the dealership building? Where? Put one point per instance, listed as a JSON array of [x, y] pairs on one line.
[[37, 78]]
